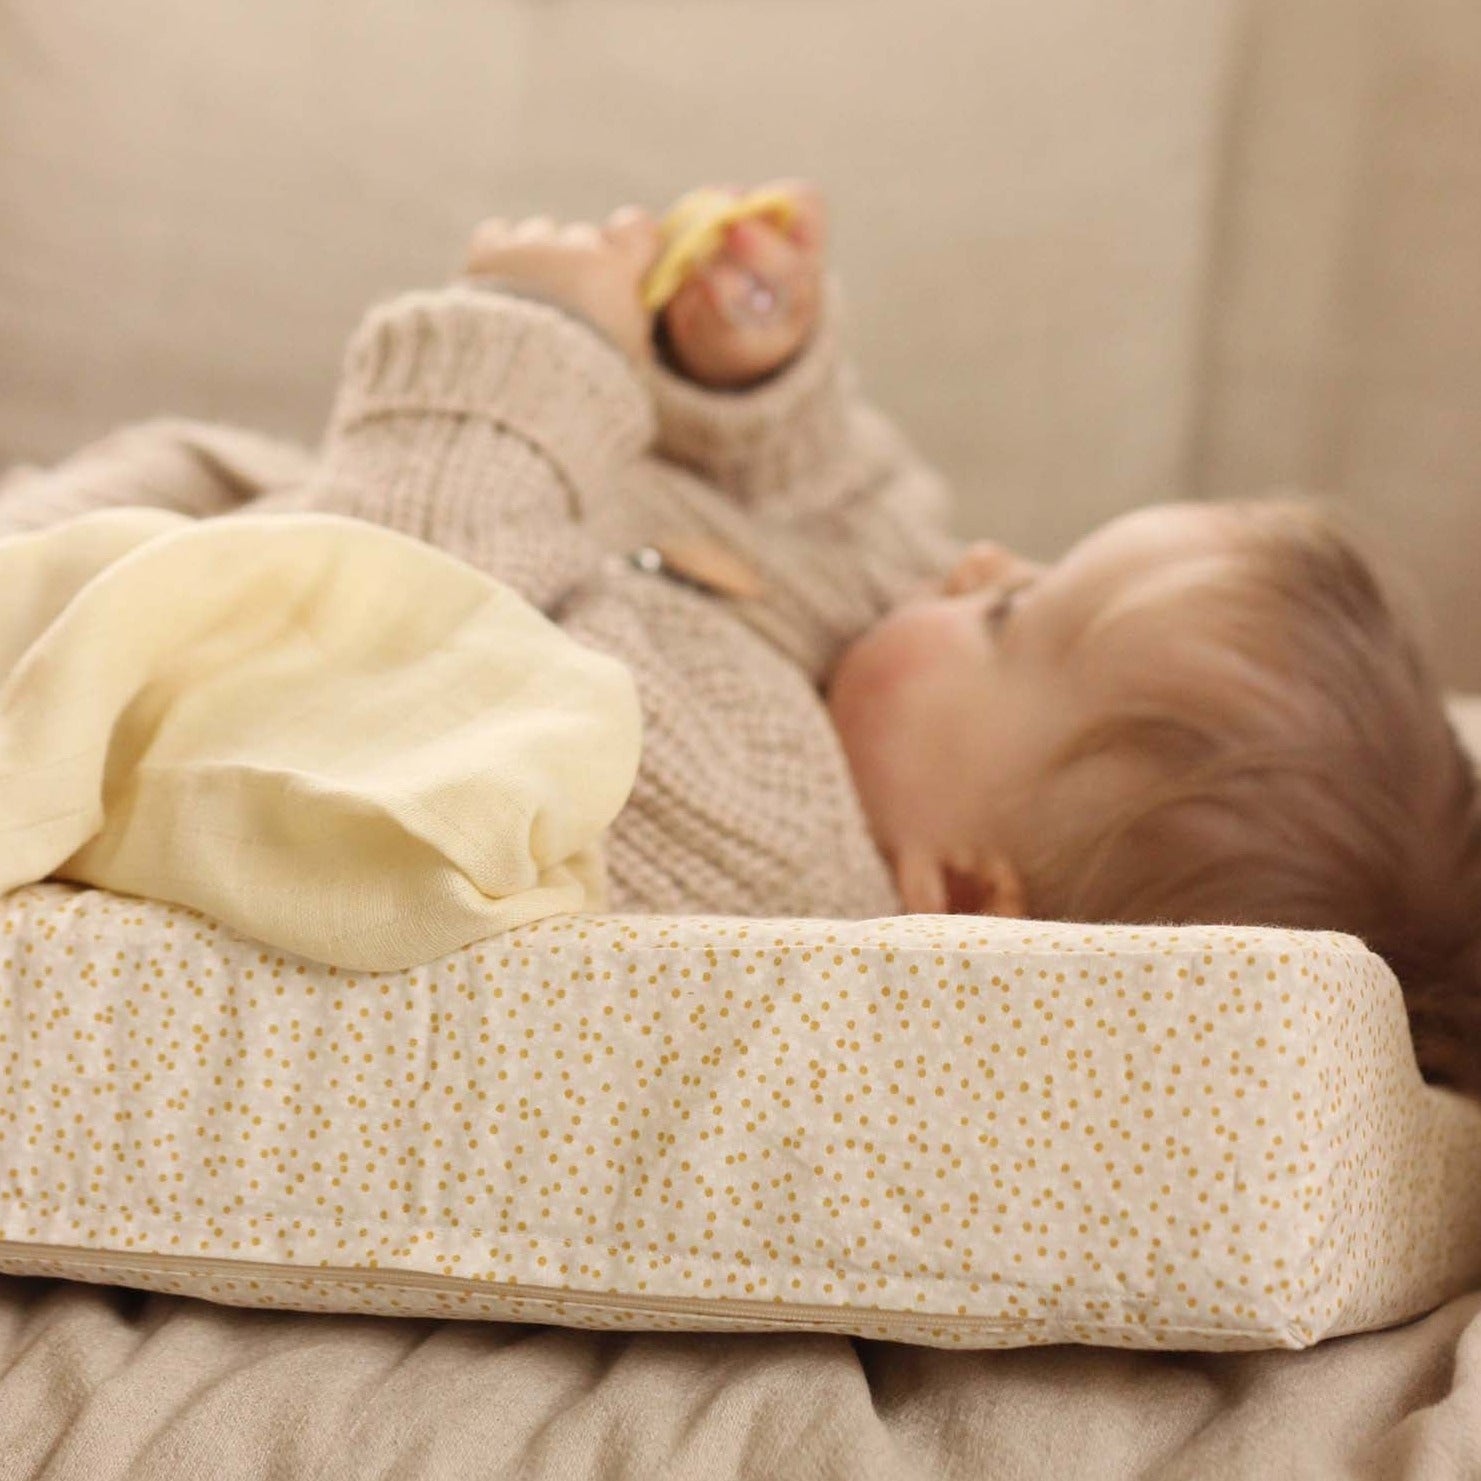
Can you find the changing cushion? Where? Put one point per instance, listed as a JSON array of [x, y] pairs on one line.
[[942, 1130], [1465, 711]]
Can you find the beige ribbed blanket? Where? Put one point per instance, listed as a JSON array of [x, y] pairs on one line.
[[98, 1384]]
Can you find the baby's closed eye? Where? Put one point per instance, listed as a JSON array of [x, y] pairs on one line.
[[1001, 608]]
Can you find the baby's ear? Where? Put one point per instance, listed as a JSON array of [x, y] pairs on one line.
[[930, 885], [921, 881], [990, 887]]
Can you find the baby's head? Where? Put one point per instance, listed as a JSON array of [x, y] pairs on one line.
[[1202, 713]]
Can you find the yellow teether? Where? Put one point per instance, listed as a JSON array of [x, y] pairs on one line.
[[694, 228]]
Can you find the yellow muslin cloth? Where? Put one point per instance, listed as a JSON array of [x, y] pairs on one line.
[[327, 735]]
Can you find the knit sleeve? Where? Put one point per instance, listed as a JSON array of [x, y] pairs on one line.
[[831, 573], [814, 463], [194, 468], [780, 444], [485, 424]]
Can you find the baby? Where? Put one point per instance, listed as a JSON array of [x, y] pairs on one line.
[[1201, 713]]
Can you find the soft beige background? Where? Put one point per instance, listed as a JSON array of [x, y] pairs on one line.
[[1098, 253]]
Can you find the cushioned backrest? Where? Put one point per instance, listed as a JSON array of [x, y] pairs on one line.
[[197, 201], [1098, 253], [938, 1129]]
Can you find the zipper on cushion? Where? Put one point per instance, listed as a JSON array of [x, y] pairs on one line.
[[724, 1306]]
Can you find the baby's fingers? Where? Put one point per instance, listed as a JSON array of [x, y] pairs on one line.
[[751, 307], [745, 299], [731, 328], [761, 248], [633, 231], [809, 228]]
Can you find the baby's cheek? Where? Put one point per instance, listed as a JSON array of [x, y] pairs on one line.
[[890, 655], [893, 693]]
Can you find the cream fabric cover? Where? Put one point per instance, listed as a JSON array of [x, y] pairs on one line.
[[940, 1130], [339, 740], [1465, 710]]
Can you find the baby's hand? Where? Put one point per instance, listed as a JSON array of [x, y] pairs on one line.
[[753, 306], [985, 563], [979, 565], [596, 271]]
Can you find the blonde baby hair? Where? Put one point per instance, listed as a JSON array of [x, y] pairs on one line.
[[1317, 783]]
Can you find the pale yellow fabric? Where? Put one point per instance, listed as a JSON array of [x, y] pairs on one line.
[[938, 1130], [333, 737]]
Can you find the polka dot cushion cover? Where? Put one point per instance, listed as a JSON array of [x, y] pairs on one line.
[[941, 1130]]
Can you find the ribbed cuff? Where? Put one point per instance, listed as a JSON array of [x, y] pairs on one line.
[[514, 361], [763, 444]]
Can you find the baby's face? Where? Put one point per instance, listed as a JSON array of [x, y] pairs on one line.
[[950, 706]]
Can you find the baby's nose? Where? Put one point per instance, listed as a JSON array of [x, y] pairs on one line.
[[985, 563]]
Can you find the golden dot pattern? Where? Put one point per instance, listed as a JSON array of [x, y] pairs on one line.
[[951, 1131]]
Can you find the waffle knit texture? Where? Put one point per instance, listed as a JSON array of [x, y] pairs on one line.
[[513, 434]]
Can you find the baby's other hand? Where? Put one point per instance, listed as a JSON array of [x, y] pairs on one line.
[[977, 566], [752, 307], [595, 271], [984, 563]]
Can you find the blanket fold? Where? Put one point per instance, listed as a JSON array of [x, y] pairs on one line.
[[329, 736]]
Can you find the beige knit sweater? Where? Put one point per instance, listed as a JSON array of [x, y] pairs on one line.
[[514, 435]]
